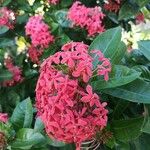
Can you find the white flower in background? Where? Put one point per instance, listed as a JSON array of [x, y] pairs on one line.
[[137, 33], [12, 16], [40, 10], [31, 2]]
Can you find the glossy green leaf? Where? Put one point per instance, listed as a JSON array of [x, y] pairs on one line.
[[144, 47], [3, 29], [144, 70], [127, 10], [61, 18], [120, 108], [26, 138], [5, 75], [55, 143], [120, 75], [23, 114], [6, 2], [5, 128], [127, 130], [120, 53], [6, 43], [108, 43], [142, 3], [137, 91], [146, 124], [39, 126]]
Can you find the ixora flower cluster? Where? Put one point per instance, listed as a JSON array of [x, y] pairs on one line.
[[40, 37], [88, 18], [54, 2], [65, 101], [16, 73], [7, 17], [3, 117], [113, 5]]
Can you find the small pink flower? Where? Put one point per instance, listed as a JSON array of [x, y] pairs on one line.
[[34, 54], [3, 117], [140, 18], [7, 17], [39, 32], [113, 5], [16, 72], [54, 2]]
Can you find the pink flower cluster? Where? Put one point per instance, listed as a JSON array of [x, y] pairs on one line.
[[113, 5], [139, 18], [88, 18], [54, 2], [35, 54], [65, 102], [39, 34], [16, 72], [7, 17], [3, 117]]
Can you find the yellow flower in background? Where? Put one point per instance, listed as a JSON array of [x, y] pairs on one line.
[[21, 44], [31, 2]]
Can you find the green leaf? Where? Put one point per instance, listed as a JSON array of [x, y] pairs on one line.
[[22, 19], [120, 53], [5, 75], [3, 29], [108, 43], [137, 91], [120, 107], [55, 143], [61, 18], [120, 75], [39, 126], [127, 130], [127, 10], [23, 114], [26, 138], [142, 3], [6, 43], [65, 3], [144, 70], [6, 2], [144, 47], [142, 143], [5, 128], [146, 124]]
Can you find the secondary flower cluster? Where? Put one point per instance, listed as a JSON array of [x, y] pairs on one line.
[[3, 117], [65, 102], [139, 18], [54, 2], [7, 17], [40, 36], [16, 73], [113, 5], [88, 18]]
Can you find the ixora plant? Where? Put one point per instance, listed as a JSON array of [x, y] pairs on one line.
[[69, 77]]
